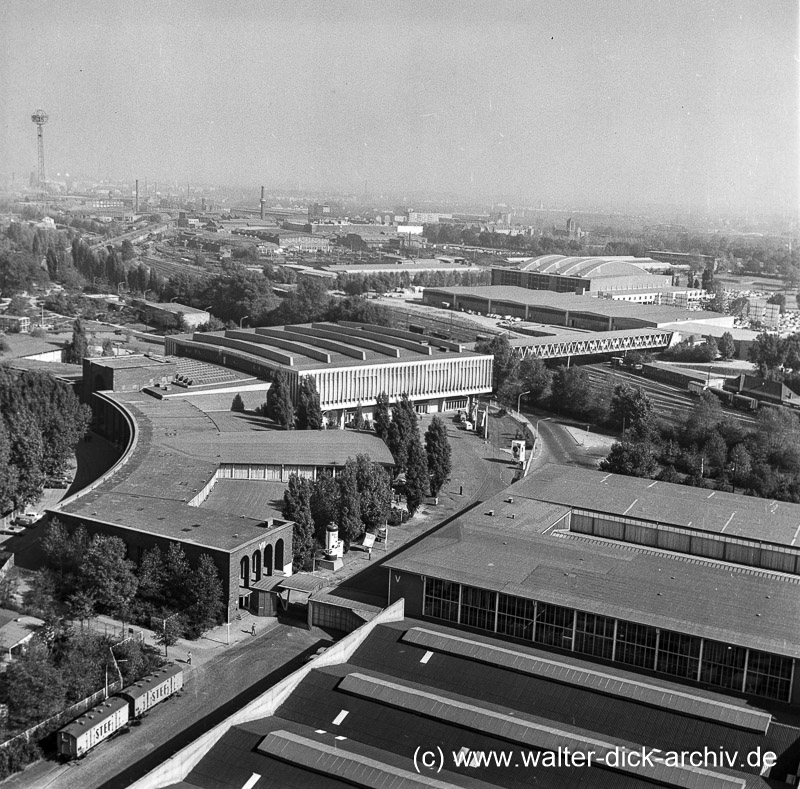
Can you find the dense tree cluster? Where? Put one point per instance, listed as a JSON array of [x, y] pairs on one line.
[[41, 422], [777, 358], [89, 576], [689, 351], [358, 500], [709, 449]]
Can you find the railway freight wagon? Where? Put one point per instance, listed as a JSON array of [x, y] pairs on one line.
[[98, 724], [155, 687]]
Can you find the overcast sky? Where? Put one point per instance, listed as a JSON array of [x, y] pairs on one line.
[[691, 102]]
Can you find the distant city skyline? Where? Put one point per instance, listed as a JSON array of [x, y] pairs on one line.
[[689, 103]]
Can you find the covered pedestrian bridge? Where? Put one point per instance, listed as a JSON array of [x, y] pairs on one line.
[[594, 343]]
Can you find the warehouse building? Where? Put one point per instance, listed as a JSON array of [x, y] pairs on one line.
[[665, 580], [171, 315], [351, 363], [194, 473], [564, 309], [581, 274]]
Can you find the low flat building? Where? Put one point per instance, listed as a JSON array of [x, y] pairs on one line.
[[15, 323], [565, 309], [667, 580], [170, 314]]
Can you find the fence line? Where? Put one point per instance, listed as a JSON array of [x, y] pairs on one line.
[[66, 715]]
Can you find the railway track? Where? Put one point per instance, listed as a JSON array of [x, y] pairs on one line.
[[668, 401]]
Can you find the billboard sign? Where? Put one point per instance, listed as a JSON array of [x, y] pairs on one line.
[[518, 451]]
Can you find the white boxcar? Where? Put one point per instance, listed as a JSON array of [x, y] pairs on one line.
[[155, 687], [92, 728]]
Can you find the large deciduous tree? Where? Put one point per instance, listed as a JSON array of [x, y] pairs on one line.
[[727, 347], [108, 575], [381, 418], [401, 430], [632, 458], [309, 413], [572, 391], [630, 408], [437, 448], [505, 362], [417, 482], [279, 401], [79, 346], [297, 508], [205, 590]]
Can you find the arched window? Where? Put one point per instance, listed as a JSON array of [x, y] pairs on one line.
[[268, 560], [257, 565], [244, 571], [279, 555]]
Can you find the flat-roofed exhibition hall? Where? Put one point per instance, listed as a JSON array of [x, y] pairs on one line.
[[351, 363], [193, 472], [700, 586], [567, 309], [371, 713]]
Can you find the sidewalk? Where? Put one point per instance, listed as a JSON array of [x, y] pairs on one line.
[[208, 646]]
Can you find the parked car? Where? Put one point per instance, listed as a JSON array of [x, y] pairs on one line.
[[28, 519], [11, 528]]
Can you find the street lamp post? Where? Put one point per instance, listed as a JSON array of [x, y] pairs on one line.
[[242, 319], [174, 298], [536, 430], [519, 398]]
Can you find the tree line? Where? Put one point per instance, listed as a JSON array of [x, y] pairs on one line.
[[85, 576], [709, 448], [359, 498], [41, 421]]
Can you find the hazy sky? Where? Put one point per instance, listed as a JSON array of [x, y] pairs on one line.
[[670, 101]]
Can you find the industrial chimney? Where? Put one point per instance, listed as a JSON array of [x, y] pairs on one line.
[[262, 203], [136, 207]]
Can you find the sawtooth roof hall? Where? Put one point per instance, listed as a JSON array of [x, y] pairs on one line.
[[352, 363], [696, 585]]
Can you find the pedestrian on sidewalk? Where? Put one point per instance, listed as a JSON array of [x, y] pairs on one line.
[[253, 629], [189, 658]]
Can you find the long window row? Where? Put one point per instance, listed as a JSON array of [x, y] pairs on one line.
[[643, 646], [351, 385], [722, 547]]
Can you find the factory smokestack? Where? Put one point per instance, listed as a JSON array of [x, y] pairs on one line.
[[136, 207], [262, 203]]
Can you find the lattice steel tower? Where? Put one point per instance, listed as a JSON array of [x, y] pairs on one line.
[[40, 117]]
